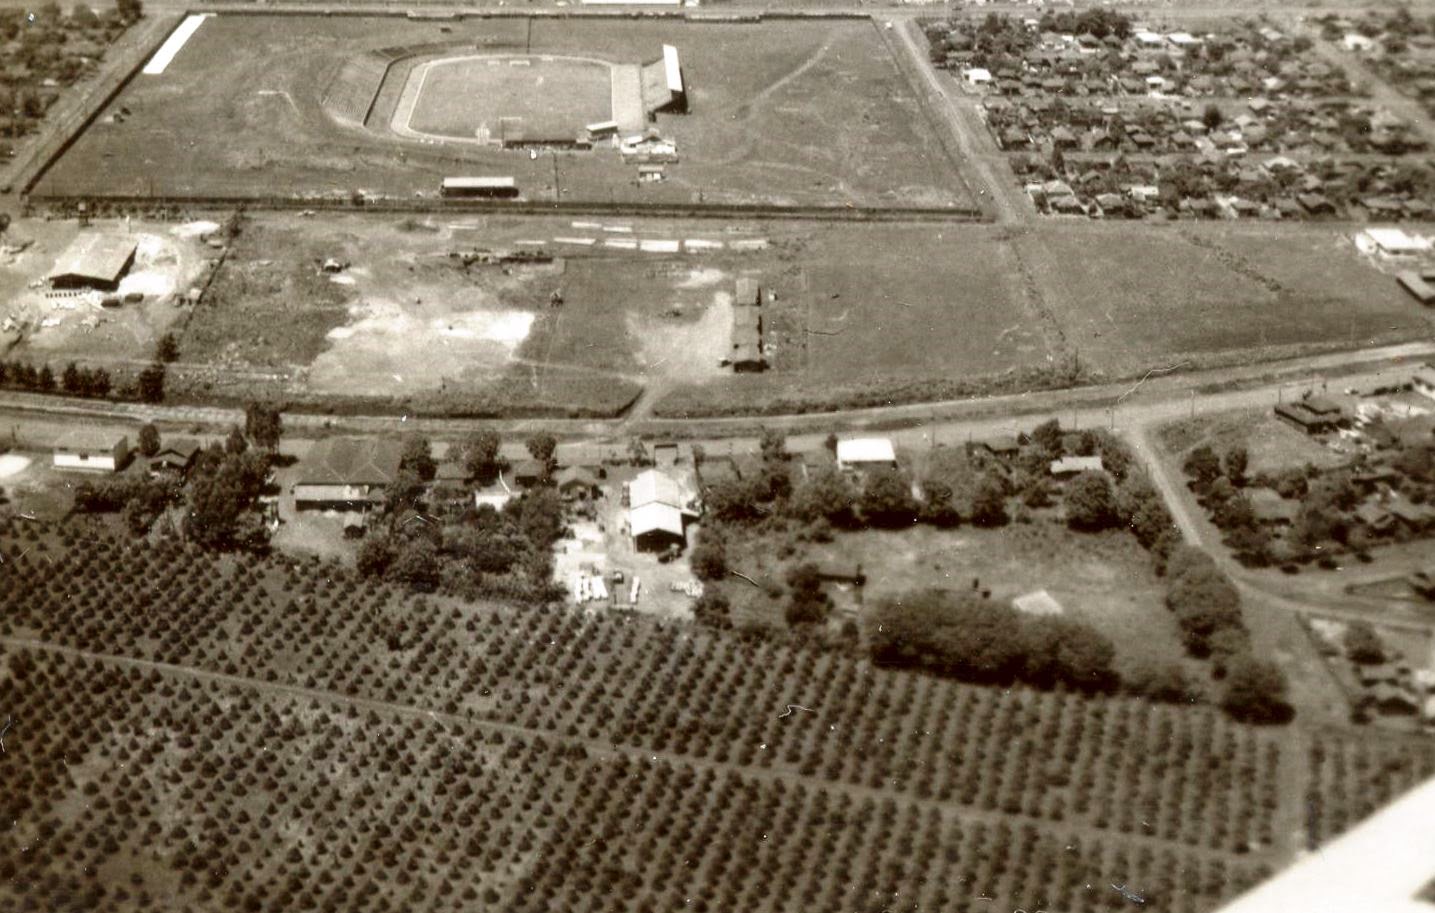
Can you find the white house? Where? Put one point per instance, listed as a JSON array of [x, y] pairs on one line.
[[1356, 42], [866, 453], [977, 76], [1074, 465], [91, 450]]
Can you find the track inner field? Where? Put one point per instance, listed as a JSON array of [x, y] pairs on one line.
[[491, 98]]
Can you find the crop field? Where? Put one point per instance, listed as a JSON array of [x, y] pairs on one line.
[[814, 113], [317, 740]]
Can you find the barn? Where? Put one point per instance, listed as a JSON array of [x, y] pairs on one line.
[[91, 450], [657, 517], [93, 261]]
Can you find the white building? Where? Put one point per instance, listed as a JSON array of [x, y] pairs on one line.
[[976, 76], [1391, 242], [657, 512], [866, 453], [91, 450]]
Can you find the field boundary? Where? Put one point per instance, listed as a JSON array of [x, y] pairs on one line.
[[64, 205]]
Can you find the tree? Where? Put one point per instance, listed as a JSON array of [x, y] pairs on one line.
[[417, 457], [1090, 502], [1203, 467], [637, 453], [235, 442], [937, 507], [166, 349], [1255, 691], [129, 10], [70, 379], [1236, 462], [416, 565], [736, 500], [989, 502], [1212, 117], [479, 452], [1362, 644], [828, 495], [807, 603], [709, 557], [773, 445], [84, 17], [151, 384], [712, 610], [830, 442], [1164, 683], [542, 448], [263, 424], [1048, 437], [46, 381], [887, 499], [148, 439], [374, 557]]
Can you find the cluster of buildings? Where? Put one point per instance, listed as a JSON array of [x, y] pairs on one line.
[[1242, 61], [1217, 187]]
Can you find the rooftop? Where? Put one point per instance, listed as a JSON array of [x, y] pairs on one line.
[[866, 450], [89, 439], [101, 257], [351, 461]]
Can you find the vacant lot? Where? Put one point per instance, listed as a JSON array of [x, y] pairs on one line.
[[811, 113], [1134, 297], [1271, 444]]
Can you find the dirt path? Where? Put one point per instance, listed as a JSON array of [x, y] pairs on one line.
[[997, 190]]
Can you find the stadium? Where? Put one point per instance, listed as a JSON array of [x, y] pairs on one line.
[[663, 110]]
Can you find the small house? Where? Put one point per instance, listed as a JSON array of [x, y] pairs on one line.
[[578, 484], [175, 457], [866, 453], [1069, 466]]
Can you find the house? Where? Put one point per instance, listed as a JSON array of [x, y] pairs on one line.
[[91, 450], [1270, 508], [1068, 466], [528, 473], [657, 512], [93, 261], [1003, 446], [866, 453], [346, 473], [1316, 204], [1301, 416], [175, 457], [1356, 42], [577, 483], [976, 76]]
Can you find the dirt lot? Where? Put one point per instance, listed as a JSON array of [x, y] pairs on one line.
[[810, 113], [55, 328]]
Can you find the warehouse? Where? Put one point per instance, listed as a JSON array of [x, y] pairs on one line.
[[657, 515], [93, 261], [91, 450]]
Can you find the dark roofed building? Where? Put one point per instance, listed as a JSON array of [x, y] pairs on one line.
[[93, 261], [1311, 420], [347, 473], [177, 456]]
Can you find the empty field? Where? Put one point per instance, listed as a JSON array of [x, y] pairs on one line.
[[509, 97], [813, 113]]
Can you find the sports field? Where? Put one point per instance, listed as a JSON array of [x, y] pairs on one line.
[[782, 113], [504, 98]]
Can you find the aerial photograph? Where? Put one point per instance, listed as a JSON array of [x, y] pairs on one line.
[[717, 456]]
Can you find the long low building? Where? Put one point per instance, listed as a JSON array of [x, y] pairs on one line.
[[479, 188]]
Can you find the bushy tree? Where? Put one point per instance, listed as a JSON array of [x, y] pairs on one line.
[[480, 454], [374, 558], [148, 439], [1047, 437], [1255, 690], [1203, 467], [1236, 463], [709, 557], [542, 447], [712, 610], [938, 507], [417, 457], [1164, 683], [827, 495], [773, 445], [263, 424], [887, 499], [989, 501], [1362, 644], [1089, 502], [807, 603], [166, 349], [416, 565], [150, 384]]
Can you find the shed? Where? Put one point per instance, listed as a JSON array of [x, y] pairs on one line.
[[1069, 466], [175, 457], [479, 188]]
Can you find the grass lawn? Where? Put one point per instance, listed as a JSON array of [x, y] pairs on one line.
[[1103, 579]]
